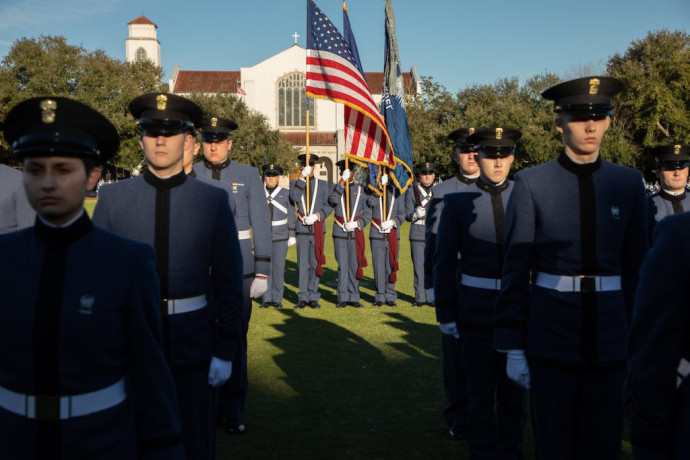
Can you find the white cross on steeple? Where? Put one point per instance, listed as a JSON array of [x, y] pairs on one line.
[[295, 36]]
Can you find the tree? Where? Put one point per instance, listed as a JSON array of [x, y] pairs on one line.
[[655, 105]]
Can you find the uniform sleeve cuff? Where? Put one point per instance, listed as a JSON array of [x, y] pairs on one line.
[[509, 339], [226, 348]]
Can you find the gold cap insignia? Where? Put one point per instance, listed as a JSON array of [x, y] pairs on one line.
[[676, 149], [471, 131], [214, 122], [161, 101], [594, 85], [48, 107], [499, 133]]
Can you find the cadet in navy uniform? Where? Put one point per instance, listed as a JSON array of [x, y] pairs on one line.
[[386, 219], [248, 201], [15, 211], [577, 226], [190, 225], [282, 232], [417, 201], [657, 397], [672, 163], [348, 235], [472, 224], [465, 155], [310, 231], [82, 369]]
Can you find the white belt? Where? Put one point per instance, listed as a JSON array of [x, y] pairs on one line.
[[177, 306], [580, 283], [275, 223], [419, 222], [243, 234], [481, 283], [69, 406]]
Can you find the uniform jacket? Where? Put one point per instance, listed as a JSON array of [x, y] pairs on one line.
[[282, 210], [416, 196], [202, 252], [15, 211], [359, 211], [250, 209], [395, 210], [104, 326], [657, 410], [472, 224], [664, 204], [318, 191], [550, 206]]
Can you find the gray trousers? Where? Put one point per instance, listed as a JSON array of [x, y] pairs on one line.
[[276, 280], [385, 290], [421, 295], [306, 263], [346, 256]]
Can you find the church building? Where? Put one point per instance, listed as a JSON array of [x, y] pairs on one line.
[[274, 87]]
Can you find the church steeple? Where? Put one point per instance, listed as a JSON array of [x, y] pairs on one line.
[[142, 43]]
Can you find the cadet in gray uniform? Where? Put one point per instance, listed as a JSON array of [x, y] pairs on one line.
[[253, 225], [282, 231], [310, 231], [190, 226], [15, 211], [348, 235], [417, 202], [384, 239], [465, 155], [672, 163]]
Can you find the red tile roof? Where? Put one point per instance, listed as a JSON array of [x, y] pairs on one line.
[[212, 81], [327, 138], [216, 81], [142, 20]]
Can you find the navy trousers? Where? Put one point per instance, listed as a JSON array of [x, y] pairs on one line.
[[455, 384], [194, 396]]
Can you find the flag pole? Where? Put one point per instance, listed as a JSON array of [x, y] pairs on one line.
[[347, 190], [384, 214], [306, 211]]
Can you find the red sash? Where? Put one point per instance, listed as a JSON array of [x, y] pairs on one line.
[[318, 246], [392, 250], [359, 245]]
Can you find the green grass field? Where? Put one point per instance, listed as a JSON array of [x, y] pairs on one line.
[[346, 383]]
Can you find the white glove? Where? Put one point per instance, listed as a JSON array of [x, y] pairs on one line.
[[419, 212], [306, 171], [258, 287], [387, 225], [517, 368], [346, 175], [351, 226], [219, 372], [450, 329], [291, 241], [384, 179], [310, 219]]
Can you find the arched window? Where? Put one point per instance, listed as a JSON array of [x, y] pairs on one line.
[[292, 102], [141, 55]]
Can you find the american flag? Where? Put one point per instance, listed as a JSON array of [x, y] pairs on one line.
[[334, 72], [240, 90]]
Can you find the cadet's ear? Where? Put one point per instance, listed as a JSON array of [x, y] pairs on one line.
[[559, 124], [229, 144], [93, 177]]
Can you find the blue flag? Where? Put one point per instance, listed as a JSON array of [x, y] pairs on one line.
[[393, 106]]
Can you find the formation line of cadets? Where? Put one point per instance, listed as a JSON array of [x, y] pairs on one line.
[[127, 337]]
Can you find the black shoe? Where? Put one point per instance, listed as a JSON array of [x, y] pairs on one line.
[[417, 304], [378, 303], [341, 305], [456, 434], [390, 303], [355, 304], [235, 427], [264, 305], [301, 304], [278, 305], [314, 304], [432, 304]]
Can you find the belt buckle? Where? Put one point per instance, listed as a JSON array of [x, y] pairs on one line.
[[47, 407], [588, 283]]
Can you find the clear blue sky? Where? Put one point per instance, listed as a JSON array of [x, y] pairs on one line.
[[458, 43]]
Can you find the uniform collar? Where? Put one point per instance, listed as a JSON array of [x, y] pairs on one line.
[[670, 197], [63, 235], [578, 168], [466, 180], [164, 184], [217, 166], [492, 188]]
